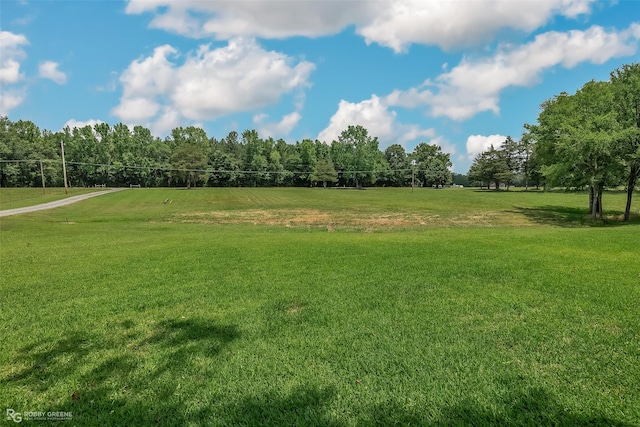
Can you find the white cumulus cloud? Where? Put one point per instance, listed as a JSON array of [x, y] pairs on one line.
[[11, 53], [11, 56], [395, 24], [151, 76], [455, 24], [277, 129], [49, 70], [474, 85], [207, 83], [136, 109], [265, 19], [73, 123], [10, 99], [377, 118], [476, 144]]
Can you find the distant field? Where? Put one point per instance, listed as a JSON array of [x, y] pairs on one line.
[[323, 307], [11, 198], [370, 209]]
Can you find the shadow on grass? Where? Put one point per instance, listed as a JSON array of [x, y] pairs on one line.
[[312, 406], [122, 379], [133, 378], [563, 216], [505, 191], [195, 334], [535, 407], [302, 406]]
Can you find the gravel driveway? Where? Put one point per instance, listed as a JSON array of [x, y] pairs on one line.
[[57, 203]]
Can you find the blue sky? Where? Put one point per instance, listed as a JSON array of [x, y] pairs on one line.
[[460, 74]]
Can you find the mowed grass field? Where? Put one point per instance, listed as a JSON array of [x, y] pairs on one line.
[[323, 307]]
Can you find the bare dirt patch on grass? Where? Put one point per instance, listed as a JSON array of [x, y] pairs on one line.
[[306, 217], [365, 221]]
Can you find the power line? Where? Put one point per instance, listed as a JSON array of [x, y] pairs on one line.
[[169, 169]]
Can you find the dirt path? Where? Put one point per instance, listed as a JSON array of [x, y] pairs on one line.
[[57, 203]]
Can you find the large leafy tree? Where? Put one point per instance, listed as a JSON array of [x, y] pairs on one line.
[[438, 172], [276, 168], [256, 155], [190, 135], [231, 145], [432, 164], [626, 94], [284, 154], [360, 156], [104, 155], [83, 157], [145, 171], [490, 166], [529, 162], [124, 156], [189, 164], [577, 135], [51, 158], [399, 165], [20, 141], [324, 171], [158, 155], [513, 158], [306, 159], [226, 169]]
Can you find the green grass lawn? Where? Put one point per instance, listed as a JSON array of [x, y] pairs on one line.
[[322, 307]]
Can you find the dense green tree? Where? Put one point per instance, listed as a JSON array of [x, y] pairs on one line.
[[360, 156], [490, 166], [144, 171], [308, 159], [190, 135], [226, 169], [158, 155], [259, 170], [230, 145], [513, 157], [189, 164], [104, 153], [51, 158], [433, 166], [278, 175], [577, 135], [20, 141], [256, 153], [133, 165], [437, 172], [324, 171], [626, 89], [289, 159], [82, 155], [399, 165], [529, 163]]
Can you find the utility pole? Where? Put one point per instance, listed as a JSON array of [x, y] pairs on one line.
[[413, 179], [42, 175], [413, 174], [64, 169]]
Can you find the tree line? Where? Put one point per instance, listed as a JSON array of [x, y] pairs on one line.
[[119, 156], [586, 140]]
